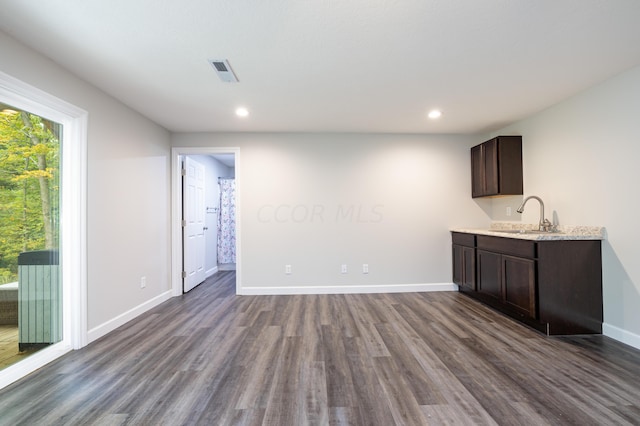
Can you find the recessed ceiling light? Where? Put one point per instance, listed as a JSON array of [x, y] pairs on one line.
[[435, 113], [242, 112]]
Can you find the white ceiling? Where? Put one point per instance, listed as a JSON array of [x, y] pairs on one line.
[[335, 65]]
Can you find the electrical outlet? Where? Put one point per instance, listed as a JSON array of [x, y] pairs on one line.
[[365, 268], [287, 269], [143, 282], [509, 211], [343, 269]]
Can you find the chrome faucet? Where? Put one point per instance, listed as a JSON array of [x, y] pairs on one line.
[[544, 225]]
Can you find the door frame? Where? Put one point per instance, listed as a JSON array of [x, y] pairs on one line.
[[73, 220], [176, 211]]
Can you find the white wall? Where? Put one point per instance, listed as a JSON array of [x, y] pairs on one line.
[[128, 191], [213, 170], [581, 158], [316, 201]]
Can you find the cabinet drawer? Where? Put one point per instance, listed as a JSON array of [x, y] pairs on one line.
[[510, 246], [463, 239]]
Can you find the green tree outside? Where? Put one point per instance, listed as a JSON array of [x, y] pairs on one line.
[[29, 187]]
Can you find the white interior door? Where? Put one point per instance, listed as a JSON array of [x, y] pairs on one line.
[[193, 214]]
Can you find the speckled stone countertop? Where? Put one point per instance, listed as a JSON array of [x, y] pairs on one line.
[[563, 232]]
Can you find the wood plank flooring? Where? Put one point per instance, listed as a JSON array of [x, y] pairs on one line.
[[9, 353], [213, 358]]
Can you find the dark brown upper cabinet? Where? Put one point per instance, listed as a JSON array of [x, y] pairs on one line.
[[496, 167]]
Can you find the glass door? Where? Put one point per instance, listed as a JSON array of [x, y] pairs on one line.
[[30, 277]]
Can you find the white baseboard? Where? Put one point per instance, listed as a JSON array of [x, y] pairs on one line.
[[351, 289], [211, 271], [621, 335], [107, 327]]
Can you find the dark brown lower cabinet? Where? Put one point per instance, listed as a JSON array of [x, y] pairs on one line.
[[554, 286], [458, 268], [519, 285], [509, 280], [469, 269], [464, 260], [570, 286], [489, 278]]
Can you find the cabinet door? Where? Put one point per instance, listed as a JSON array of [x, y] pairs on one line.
[[457, 264], [491, 173], [464, 266], [519, 284], [489, 274], [477, 171], [469, 267]]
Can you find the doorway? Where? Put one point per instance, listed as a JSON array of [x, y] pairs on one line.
[[220, 165], [226, 224]]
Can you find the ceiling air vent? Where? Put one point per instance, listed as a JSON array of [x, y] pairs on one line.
[[224, 71]]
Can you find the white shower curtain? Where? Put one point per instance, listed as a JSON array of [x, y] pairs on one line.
[[227, 222]]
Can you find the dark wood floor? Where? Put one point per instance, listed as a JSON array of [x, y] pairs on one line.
[[213, 358]]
